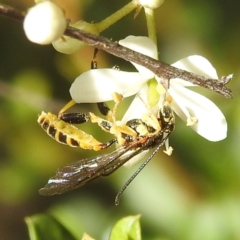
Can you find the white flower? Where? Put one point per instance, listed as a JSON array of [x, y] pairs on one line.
[[202, 115], [44, 23], [151, 3]]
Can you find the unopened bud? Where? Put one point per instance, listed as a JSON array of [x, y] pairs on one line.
[[44, 23], [151, 3], [70, 45]]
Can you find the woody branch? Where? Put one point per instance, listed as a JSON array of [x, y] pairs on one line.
[[164, 71]]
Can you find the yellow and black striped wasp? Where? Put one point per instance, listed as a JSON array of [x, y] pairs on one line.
[[132, 138]]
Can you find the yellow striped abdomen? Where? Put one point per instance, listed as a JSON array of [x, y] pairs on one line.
[[66, 133]]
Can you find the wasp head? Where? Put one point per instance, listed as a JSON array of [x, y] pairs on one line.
[[167, 117]]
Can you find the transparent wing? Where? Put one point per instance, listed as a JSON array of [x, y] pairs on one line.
[[85, 170]]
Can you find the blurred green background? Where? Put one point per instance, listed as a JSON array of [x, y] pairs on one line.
[[192, 195]]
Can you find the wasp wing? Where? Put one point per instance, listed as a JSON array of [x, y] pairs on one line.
[[85, 170]]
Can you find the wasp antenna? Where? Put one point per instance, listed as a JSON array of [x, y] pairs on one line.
[[117, 198]]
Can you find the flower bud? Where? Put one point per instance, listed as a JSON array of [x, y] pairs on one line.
[[151, 3], [70, 45], [44, 23]]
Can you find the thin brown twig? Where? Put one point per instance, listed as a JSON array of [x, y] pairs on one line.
[[11, 12], [164, 71]]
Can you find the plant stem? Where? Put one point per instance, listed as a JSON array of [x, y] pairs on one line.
[[151, 26], [107, 22]]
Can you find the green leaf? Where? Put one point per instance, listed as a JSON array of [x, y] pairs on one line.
[[127, 228], [43, 226]]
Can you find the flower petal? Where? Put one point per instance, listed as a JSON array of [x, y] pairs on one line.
[[138, 106], [98, 85], [142, 45], [211, 123], [136, 159], [195, 64]]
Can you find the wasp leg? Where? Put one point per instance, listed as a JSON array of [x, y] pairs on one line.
[[103, 108], [74, 118], [94, 61], [117, 98], [78, 118], [67, 106], [107, 124]]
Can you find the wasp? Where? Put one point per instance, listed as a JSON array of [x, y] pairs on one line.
[[132, 138]]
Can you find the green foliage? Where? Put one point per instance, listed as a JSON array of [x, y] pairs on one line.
[[43, 226], [127, 228], [47, 227]]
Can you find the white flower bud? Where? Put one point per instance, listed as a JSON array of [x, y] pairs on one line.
[[38, 1], [70, 45], [151, 3], [44, 23]]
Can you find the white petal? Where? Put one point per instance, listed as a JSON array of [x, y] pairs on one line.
[[211, 124], [98, 85], [142, 45], [195, 64], [136, 159], [138, 106]]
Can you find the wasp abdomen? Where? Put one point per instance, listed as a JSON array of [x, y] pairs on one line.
[[66, 133]]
